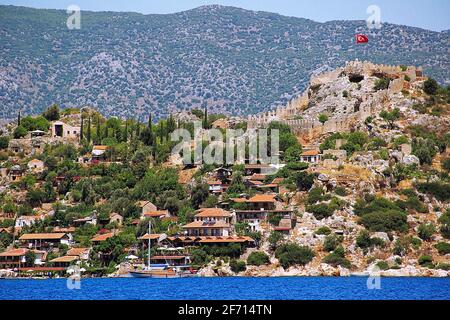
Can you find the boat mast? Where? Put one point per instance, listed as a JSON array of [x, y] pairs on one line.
[[149, 241]]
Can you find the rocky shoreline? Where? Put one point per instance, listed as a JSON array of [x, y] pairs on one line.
[[324, 270]]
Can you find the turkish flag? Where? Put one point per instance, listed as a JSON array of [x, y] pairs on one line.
[[361, 38]]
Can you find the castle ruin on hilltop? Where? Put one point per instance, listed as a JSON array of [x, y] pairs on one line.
[[366, 101]]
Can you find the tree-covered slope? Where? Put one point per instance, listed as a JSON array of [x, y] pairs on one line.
[[230, 59]]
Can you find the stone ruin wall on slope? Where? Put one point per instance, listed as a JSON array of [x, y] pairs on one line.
[[369, 106]]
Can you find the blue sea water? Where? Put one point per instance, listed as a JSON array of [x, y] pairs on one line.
[[238, 288]]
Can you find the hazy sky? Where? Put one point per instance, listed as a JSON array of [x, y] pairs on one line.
[[428, 14]]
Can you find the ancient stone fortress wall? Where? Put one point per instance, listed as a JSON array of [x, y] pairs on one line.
[[370, 105]]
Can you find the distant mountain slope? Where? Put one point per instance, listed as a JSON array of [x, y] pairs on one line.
[[230, 59]]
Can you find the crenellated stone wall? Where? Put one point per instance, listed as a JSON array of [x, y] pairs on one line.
[[370, 102]]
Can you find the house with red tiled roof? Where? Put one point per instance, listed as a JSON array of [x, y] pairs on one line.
[[45, 240], [13, 258], [210, 240], [215, 186], [157, 214], [16, 258], [102, 237], [210, 222], [64, 261], [213, 214], [257, 210], [82, 253], [146, 206]]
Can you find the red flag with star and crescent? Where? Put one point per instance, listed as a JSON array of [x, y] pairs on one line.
[[362, 38]]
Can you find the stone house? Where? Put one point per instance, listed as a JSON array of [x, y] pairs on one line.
[[36, 165], [63, 130]]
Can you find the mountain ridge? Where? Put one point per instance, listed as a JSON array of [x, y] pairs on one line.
[[231, 60]]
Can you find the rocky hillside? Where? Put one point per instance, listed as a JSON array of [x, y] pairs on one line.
[[232, 60]]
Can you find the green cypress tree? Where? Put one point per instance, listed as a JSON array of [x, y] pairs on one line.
[[18, 119], [82, 128], [125, 136], [98, 131], [205, 118], [88, 135], [138, 127], [106, 133]]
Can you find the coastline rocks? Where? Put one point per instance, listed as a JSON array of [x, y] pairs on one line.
[[343, 272], [207, 272], [7, 273], [225, 271]]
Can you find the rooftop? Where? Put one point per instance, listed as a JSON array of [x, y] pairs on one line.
[[212, 212], [65, 259], [42, 236], [168, 257], [216, 239], [310, 153], [14, 253], [262, 198], [152, 236], [157, 214], [206, 224], [102, 237], [76, 251]]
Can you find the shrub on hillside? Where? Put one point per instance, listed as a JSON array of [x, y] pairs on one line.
[[443, 248], [385, 221], [444, 220], [430, 86], [274, 238], [332, 241], [290, 254], [321, 211], [383, 265], [426, 231], [381, 84], [237, 266], [337, 258], [258, 258], [323, 231], [426, 261], [440, 190], [364, 241]]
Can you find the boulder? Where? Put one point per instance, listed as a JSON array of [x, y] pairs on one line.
[[382, 235], [207, 272], [411, 159]]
